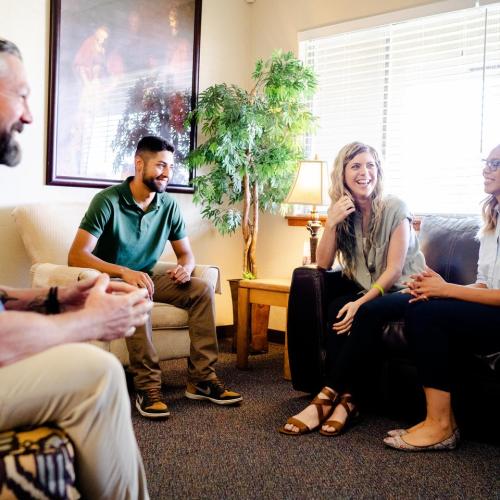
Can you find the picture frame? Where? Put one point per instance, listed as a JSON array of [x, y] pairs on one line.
[[120, 70]]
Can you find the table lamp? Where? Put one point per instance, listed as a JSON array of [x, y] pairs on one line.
[[310, 188]]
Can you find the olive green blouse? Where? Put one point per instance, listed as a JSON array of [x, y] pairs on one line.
[[368, 268]]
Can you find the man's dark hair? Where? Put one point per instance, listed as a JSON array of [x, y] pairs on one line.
[[10, 48], [153, 144]]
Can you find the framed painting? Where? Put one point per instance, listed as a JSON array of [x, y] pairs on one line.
[[120, 70]]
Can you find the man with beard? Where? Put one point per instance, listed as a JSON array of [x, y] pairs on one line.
[[48, 374], [14, 110], [123, 234]]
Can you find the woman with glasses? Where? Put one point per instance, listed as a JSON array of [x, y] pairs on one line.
[[373, 239], [466, 318]]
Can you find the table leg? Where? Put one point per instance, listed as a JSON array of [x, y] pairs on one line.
[[259, 326], [243, 328]]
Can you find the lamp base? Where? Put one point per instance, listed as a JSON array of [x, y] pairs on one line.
[[313, 226]]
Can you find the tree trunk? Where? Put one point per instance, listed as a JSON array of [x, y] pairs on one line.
[[252, 258], [245, 224]]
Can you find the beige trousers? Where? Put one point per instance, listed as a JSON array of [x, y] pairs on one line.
[[82, 389], [197, 297]]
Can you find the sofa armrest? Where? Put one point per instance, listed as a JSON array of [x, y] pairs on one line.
[[206, 272], [46, 274]]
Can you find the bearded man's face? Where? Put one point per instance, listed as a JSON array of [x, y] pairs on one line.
[[14, 110]]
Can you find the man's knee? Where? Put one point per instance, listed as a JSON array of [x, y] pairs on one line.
[[202, 288], [91, 365]]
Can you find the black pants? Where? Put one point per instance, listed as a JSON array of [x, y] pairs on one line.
[[350, 360], [442, 331]]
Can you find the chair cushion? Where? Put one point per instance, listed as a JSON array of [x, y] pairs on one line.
[[37, 463], [165, 316]]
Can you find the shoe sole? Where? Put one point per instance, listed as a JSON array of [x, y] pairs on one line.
[[199, 397], [151, 415]]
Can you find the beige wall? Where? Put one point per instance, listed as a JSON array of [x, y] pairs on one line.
[[275, 23], [234, 34]]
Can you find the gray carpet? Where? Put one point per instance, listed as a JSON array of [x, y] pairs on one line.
[[212, 452]]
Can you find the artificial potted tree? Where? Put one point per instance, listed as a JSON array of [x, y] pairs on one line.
[[251, 147], [250, 152]]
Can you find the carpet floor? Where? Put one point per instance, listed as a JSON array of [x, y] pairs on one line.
[[205, 451]]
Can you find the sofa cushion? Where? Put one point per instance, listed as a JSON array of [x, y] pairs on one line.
[[451, 247]]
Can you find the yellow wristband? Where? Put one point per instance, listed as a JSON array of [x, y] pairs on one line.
[[379, 288]]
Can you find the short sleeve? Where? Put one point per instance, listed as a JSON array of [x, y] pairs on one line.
[[399, 209], [395, 211], [177, 225], [97, 215]]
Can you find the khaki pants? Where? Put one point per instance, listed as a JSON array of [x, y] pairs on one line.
[[197, 297], [82, 389]]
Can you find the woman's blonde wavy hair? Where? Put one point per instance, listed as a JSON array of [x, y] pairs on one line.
[[346, 239], [489, 210]]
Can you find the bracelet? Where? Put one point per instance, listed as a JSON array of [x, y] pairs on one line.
[[52, 305], [379, 288]]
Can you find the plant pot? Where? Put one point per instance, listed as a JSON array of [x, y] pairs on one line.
[[259, 321]]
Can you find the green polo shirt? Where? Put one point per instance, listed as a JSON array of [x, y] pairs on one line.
[[127, 235]]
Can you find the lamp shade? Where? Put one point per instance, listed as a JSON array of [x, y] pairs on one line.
[[311, 184]]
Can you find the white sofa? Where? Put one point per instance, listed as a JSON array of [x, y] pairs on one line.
[[47, 231]]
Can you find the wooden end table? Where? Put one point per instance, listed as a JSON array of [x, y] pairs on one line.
[[271, 292]]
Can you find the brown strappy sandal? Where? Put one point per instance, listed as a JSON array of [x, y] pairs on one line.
[[340, 427], [324, 408]]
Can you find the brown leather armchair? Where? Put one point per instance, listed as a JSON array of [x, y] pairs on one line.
[[451, 248]]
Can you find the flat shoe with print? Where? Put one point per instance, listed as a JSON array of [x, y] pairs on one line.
[[397, 442]]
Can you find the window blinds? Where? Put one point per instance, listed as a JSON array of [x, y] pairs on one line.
[[424, 92]]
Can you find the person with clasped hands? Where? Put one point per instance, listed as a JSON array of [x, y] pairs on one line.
[[445, 318], [372, 238], [47, 372]]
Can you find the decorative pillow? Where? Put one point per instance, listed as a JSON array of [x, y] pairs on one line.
[[37, 463]]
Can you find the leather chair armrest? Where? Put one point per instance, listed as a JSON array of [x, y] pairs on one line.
[[306, 328], [206, 272], [46, 274], [311, 291]]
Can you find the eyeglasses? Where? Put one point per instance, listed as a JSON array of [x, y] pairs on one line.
[[493, 165]]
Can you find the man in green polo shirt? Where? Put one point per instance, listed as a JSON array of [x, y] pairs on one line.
[[123, 234]]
